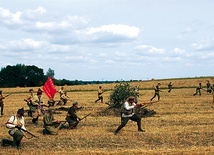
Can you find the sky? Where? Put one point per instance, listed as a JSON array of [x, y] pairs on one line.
[[109, 39]]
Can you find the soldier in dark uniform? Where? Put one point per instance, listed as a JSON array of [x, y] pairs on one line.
[[128, 113], [209, 87], [157, 90], [170, 87], [198, 89], [72, 118], [1, 102]]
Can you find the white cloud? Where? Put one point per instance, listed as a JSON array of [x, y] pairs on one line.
[[150, 49], [206, 44], [178, 51], [115, 30], [8, 18], [26, 44]]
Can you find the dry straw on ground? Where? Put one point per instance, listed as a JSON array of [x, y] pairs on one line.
[[183, 124]]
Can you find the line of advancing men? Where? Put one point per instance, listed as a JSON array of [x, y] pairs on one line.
[[16, 123]]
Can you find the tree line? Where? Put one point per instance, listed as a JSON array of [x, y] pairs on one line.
[[21, 75]]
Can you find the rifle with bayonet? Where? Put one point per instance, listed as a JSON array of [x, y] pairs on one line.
[[80, 119], [7, 95], [29, 133], [19, 128], [146, 104], [84, 117]]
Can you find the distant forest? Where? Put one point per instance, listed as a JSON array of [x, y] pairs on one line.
[[30, 76]]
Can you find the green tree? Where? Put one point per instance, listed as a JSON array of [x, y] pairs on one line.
[[50, 73], [119, 95], [21, 75]]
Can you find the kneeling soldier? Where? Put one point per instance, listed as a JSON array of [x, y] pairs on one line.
[[15, 125], [51, 126]]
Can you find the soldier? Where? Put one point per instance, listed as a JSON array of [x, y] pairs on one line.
[[33, 103], [136, 93], [15, 125], [170, 87], [72, 118], [61, 91], [51, 126], [1, 103], [51, 102], [209, 87], [198, 89], [157, 90], [63, 97], [100, 94], [39, 100], [128, 113]]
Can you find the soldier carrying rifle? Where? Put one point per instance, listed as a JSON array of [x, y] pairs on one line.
[[14, 125], [128, 113], [35, 104], [198, 89], [157, 90], [72, 118]]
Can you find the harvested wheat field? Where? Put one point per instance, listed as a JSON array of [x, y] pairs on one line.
[[183, 123]]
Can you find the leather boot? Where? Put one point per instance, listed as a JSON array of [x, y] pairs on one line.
[[2, 109], [18, 145], [139, 127], [118, 129], [6, 142]]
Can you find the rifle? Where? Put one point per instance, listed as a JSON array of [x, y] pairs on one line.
[[7, 95], [84, 117], [30, 133], [19, 128], [71, 127], [148, 103]]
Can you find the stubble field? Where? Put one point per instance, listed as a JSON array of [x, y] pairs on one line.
[[184, 124]]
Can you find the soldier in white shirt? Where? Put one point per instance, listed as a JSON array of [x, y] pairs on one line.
[[15, 127], [128, 113]]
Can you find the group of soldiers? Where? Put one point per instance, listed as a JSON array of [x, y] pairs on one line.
[[209, 88], [16, 123]]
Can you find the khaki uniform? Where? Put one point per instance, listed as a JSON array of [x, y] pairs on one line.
[[33, 105], [50, 127], [100, 94]]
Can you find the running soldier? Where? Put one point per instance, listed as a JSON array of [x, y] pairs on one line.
[[1, 102], [128, 113], [170, 87], [157, 90], [198, 89], [100, 94], [63, 97], [209, 87]]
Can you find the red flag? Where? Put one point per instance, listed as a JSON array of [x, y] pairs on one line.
[[49, 88]]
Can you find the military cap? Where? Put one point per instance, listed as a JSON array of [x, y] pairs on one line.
[[131, 98], [21, 112], [50, 109], [75, 103]]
